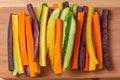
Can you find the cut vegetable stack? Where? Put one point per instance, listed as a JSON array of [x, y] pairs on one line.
[[71, 36]]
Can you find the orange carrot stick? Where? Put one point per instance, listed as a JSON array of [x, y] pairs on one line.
[[30, 48], [98, 43], [77, 40], [21, 33], [58, 48], [86, 68], [55, 6]]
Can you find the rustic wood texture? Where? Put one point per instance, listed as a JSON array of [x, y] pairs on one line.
[[114, 39]]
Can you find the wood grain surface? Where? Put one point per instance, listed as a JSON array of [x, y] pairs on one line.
[[46, 73]]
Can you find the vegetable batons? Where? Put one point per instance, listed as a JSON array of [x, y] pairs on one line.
[[42, 44]]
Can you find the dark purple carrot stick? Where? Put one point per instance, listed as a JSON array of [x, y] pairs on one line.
[[81, 58], [105, 47], [65, 4], [35, 30], [10, 45]]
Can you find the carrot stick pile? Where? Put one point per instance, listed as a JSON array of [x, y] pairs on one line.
[[71, 36]]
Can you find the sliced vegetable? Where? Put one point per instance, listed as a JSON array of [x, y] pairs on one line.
[[10, 45], [60, 5], [79, 9], [38, 11], [55, 6], [92, 66], [40, 17], [16, 50], [89, 41], [55, 14], [82, 48], [75, 61], [35, 30], [87, 60], [74, 9], [70, 30], [42, 45], [98, 42], [51, 42], [105, 46], [64, 13], [65, 4], [30, 47], [21, 35], [58, 48]]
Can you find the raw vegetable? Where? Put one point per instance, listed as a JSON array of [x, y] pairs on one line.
[[89, 41], [75, 61], [60, 5], [51, 42], [58, 48], [82, 48], [65, 4], [40, 17], [21, 36], [35, 30], [55, 6], [105, 46], [30, 47], [38, 11], [98, 42], [64, 13], [16, 50], [87, 59], [74, 9], [55, 14], [42, 44], [70, 30], [10, 45], [79, 9], [92, 66]]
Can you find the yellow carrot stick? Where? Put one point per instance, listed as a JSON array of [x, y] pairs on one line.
[[92, 66], [89, 41], [16, 50], [60, 5], [38, 11], [42, 48], [51, 42]]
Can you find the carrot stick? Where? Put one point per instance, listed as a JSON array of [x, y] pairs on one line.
[[89, 41], [77, 40], [98, 43], [86, 68], [92, 66], [30, 48], [21, 33], [55, 6], [58, 48], [16, 50]]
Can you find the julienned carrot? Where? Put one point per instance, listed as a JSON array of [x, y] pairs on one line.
[[98, 43], [21, 33], [92, 66], [89, 41], [58, 48], [77, 40], [55, 6], [16, 50], [30, 47], [86, 68], [60, 5]]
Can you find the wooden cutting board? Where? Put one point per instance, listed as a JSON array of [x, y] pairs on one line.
[[114, 45]]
